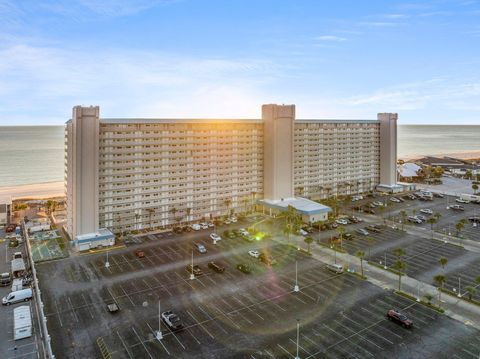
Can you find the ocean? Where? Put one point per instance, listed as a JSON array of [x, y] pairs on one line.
[[35, 154]]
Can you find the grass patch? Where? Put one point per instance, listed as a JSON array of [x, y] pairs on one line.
[[359, 275], [463, 297], [327, 246], [375, 264], [426, 304]]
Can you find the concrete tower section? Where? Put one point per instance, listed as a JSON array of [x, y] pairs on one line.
[[278, 129], [82, 157], [388, 150]]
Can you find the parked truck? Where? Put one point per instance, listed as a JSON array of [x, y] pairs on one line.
[[22, 322], [18, 267]]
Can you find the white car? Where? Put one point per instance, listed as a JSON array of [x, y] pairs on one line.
[[172, 320], [233, 220], [379, 204], [196, 227], [461, 200], [303, 232], [204, 225], [357, 198], [227, 221], [426, 211], [211, 225], [254, 254], [394, 199], [342, 221], [215, 237]]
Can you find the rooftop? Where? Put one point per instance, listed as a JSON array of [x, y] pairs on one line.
[[302, 205]]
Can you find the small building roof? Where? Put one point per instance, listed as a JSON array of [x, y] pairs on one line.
[[409, 169], [302, 205], [100, 235]]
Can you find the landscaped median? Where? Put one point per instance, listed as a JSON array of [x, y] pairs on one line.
[[340, 250], [412, 298], [375, 264], [463, 297]]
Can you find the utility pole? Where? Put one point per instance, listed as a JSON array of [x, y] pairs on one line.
[[159, 334], [296, 289], [192, 276], [298, 337], [107, 263]]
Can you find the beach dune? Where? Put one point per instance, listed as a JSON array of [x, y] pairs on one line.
[[34, 191]]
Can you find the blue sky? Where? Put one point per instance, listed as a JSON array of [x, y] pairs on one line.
[[195, 58]]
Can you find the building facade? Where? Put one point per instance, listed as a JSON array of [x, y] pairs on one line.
[[141, 173]]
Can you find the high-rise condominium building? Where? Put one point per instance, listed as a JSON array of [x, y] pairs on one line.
[[140, 173]]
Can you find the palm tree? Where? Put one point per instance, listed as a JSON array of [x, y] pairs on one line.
[[341, 231], [459, 226], [440, 279], [150, 211], [360, 255], [254, 194], [400, 266], [475, 188], [137, 217], [308, 240], [227, 202], [431, 221], [477, 280], [173, 211], [292, 221], [399, 252], [370, 241], [428, 297], [403, 216], [437, 216], [471, 291], [189, 213], [245, 203], [443, 262]]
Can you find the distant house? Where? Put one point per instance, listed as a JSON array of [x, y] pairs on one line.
[[450, 164]]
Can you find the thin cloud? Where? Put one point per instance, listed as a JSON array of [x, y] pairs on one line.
[[331, 38]]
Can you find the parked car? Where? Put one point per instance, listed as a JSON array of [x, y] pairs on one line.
[[426, 211], [5, 279], [394, 199], [355, 219], [196, 269], [216, 267], [308, 229], [414, 219], [139, 253], [196, 227], [357, 198], [303, 232], [336, 268], [204, 225], [211, 224], [362, 231], [461, 200], [17, 296], [474, 219], [341, 221], [348, 236], [369, 211], [201, 248], [457, 207], [254, 254], [438, 195], [244, 268], [215, 237], [172, 320], [17, 255], [399, 318], [420, 217], [373, 229]]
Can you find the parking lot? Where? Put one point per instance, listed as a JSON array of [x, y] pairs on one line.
[[232, 314], [24, 348]]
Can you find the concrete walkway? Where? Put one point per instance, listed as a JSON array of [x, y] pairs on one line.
[[454, 307]]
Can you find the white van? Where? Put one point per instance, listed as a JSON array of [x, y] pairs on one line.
[[18, 296], [336, 268], [196, 227]]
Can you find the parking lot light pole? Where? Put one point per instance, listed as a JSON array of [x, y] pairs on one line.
[[192, 276], [159, 334], [107, 263], [298, 337], [296, 288], [385, 264], [418, 291], [459, 295]]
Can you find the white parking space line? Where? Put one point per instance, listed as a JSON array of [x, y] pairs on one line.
[[239, 311], [128, 262], [123, 290], [370, 331], [212, 319], [141, 341], [301, 347], [200, 324], [252, 303], [359, 335], [161, 342], [224, 315], [72, 308], [87, 305], [58, 313], [124, 345], [160, 285], [286, 351]]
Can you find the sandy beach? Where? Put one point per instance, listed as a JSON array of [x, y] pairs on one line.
[[465, 155], [34, 191]]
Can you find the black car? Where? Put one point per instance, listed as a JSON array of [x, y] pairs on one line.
[[268, 260], [369, 211], [244, 268], [438, 195], [196, 270], [217, 268], [474, 219], [373, 229], [399, 318], [348, 236]]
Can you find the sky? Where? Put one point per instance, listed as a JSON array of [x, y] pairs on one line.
[[224, 59]]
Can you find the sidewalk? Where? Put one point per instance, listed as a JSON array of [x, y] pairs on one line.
[[455, 308]]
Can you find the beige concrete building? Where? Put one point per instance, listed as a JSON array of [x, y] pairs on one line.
[[140, 173]]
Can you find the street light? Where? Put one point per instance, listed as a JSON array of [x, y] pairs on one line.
[[296, 288], [298, 337], [385, 264], [459, 295], [107, 263], [192, 276], [158, 333]]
